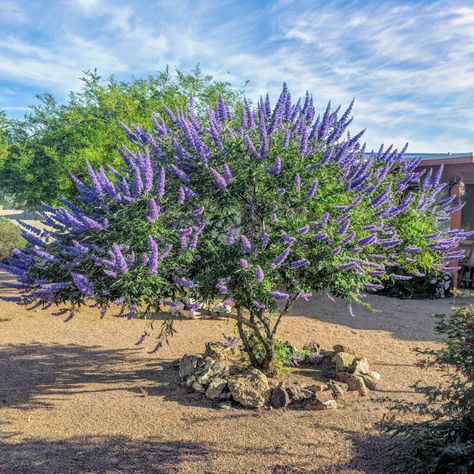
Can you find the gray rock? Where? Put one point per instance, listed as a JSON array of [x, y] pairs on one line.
[[210, 370], [343, 348], [360, 366], [251, 389], [307, 393], [369, 382], [354, 382], [225, 405], [215, 389], [338, 388], [348, 398], [322, 400], [197, 387], [294, 391], [318, 386], [279, 398], [188, 365], [217, 351], [343, 361]]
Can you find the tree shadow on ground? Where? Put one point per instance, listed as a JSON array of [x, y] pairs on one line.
[[31, 375], [372, 454], [36, 375], [98, 454]]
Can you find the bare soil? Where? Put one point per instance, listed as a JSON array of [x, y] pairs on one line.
[[80, 397]]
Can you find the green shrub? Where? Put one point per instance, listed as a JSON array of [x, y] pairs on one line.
[[431, 286], [10, 237], [444, 442]]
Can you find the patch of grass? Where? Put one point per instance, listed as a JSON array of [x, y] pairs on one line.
[[4, 319]]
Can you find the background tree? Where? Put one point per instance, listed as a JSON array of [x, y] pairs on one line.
[[57, 139], [254, 207]]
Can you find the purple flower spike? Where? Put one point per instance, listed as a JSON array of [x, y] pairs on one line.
[[244, 263], [321, 236], [221, 285], [312, 190], [277, 295], [343, 229], [276, 168], [166, 252], [370, 239], [154, 211], [246, 245], [227, 172], [303, 230], [220, 181], [401, 277], [373, 286], [183, 282], [280, 259], [153, 261], [180, 174], [181, 195], [259, 275], [231, 236], [300, 263], [160, 187], [347, 266], [297, 182], [349, 238], [83, 284], [120, 262]]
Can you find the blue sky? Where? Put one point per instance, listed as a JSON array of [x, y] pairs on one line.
[[409, 64]]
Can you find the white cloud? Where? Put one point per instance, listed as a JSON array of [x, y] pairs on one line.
[[408, 64], [11, 12]]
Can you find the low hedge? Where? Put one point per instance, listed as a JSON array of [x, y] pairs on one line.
[[10, 237]]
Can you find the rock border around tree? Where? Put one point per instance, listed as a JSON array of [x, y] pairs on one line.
[[341, 379]]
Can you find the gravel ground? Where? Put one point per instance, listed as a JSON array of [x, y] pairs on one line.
[[80, 397]]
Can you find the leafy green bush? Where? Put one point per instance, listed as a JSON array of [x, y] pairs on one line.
[[443, 443], [10, 237], [430, 286], [56, 139]]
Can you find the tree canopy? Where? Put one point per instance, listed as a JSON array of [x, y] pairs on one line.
[[38, 153], [255, 207]]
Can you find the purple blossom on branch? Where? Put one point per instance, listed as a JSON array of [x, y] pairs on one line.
[[220, 181], [277, 295], [259, 275], [83, 284], [300, 263], [154, 211], [246, 245], [183, 282]]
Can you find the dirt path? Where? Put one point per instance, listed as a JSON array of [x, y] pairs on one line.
[[80, 397]]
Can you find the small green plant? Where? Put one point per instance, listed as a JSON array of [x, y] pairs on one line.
[[10, 237], [444, 441], [4, 319]]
